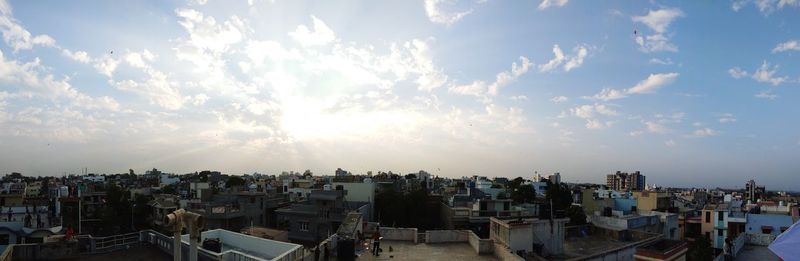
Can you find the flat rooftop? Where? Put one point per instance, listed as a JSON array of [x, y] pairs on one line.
[[750, 252], [584, 246], [405, 250], [136, 253]]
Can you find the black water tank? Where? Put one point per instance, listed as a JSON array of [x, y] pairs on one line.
[[212, 244]]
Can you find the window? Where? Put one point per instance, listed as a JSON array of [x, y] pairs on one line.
[[766, 230], [720, 216], [303, 225], [719, 232], [708, 217], [325, 213], [708, 235], [483, 205], [4, 239]]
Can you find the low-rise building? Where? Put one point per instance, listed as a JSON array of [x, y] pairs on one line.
[[314, 220]]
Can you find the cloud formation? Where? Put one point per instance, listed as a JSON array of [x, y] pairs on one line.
[[658, 21], [552, 3], [436, 13], [565, 62], [649, 85]]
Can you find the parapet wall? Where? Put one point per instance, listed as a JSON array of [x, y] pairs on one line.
[[399, 234], [446, 236]]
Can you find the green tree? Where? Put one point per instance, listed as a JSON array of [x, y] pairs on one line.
[[169, 189], [576, 215], [560, 195], [700, 250], [234, 181], [523, 194]]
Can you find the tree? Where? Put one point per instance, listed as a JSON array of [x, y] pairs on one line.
[[523, 194], [169, 189], [700, 249], [234, 181], [560, 195], [411, 176], [576, 215]]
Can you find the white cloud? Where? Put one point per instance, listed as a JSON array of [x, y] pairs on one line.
[[727, 118], [590, 112], [157, 87], [667, 61], [504, 78], [106, 66], [559, 99], [33, 80], [653, 83], [669, 143], [17, 36], [737, 73], [200, 99], [656, 127], [649, 85], [519, 98], [206, 34], [766, 95], [139, 59], [321, 34], [658, 21], [482, 89], [78, 56], [569, 62], [764, 74], [635, 133], [704, 132], [793, 45], [766, 7], [552, 3], [476, 88], [436, 14]]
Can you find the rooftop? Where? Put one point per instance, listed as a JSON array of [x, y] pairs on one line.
[[751, 252], [137, 253], [405, 250]]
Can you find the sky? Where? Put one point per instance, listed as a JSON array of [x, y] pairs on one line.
[[690, 93]]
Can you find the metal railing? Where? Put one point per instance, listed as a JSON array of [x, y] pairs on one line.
[[111, 243]]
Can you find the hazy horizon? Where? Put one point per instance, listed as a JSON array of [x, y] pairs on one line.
[[692, 94]]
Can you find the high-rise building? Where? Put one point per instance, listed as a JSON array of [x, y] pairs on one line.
[[622, 181], [752, 192], [555, 178]]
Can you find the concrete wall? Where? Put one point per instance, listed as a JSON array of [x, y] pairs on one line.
[[262, 247], [364, 192], [446, 236], [756, 221], [553, 243], [623, 254], [624, 204], [399, 234], [760, 239], [481, 246], [520, 238], [503, 253]]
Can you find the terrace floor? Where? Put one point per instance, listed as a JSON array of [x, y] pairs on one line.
[[750, 252], [404, 250]]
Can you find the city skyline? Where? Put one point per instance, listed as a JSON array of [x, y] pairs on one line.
[[692, 94]]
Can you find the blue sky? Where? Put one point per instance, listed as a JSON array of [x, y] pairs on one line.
[[691, 93]]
